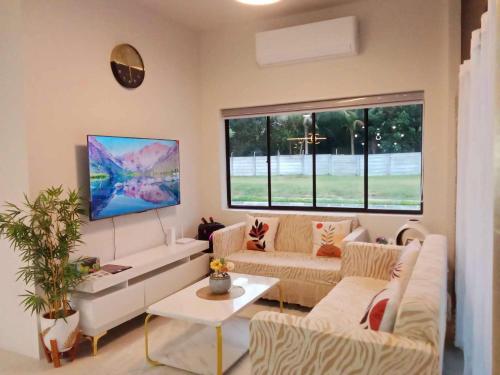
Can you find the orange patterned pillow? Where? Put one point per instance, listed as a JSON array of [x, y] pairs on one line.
[[260, 233], [381, 313], [328, 236]]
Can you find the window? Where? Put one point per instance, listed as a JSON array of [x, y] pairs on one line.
[[328, 156]]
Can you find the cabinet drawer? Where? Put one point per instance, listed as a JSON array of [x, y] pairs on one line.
[[105, 308], [172, 280]]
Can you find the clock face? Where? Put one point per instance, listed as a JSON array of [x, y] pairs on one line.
[[127, 66]]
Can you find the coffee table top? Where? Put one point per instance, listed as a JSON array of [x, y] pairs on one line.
[[186, 305]]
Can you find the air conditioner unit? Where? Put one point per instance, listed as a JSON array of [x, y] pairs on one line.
[[331, 38]]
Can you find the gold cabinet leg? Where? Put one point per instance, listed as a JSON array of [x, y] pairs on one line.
[[95, 341], [219, 349], [152, 362], [280, 288]]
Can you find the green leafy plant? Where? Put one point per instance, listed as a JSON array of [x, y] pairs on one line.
[[45, 231]]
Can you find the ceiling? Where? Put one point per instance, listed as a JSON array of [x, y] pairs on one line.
[[212, 14]]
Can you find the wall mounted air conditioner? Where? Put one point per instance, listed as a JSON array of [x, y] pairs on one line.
[[331, 38]]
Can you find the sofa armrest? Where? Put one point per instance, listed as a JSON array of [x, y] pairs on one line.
[[287, 344], [369, 260], [228, 240], [359, 234]]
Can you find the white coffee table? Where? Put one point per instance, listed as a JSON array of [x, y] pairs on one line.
[[200, 350]]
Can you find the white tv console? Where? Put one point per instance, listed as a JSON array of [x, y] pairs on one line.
[[108, 301]]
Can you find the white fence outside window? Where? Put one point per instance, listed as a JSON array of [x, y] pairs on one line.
[[397, 164]]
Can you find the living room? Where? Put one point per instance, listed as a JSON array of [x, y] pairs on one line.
[[282, 120]]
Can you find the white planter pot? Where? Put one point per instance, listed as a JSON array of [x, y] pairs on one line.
[[64, 332]]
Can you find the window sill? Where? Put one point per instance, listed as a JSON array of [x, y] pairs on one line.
[[323, 213]]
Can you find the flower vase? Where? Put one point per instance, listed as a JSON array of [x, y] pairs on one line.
[[220, 283]]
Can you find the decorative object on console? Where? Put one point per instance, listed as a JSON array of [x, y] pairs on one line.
[[260, 233], [382, 241], [412, 229], [45, 232], [114, 268], [129, 175], [127, 66], [220, 280], [205, 230], [88, 265], [184, 240], [328, 236]]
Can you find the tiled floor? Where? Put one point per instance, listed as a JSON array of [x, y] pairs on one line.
[[122, 352]]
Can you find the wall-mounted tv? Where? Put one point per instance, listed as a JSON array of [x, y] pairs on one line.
[[130, 175]]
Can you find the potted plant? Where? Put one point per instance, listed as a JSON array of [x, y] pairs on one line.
[[45, 231], [220, 281]]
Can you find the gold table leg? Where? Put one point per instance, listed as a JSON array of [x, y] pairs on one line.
[[95, 341], [218, 330], [152, 362], [281, 297]]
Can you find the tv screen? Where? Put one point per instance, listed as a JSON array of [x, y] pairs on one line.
[[130, 175]]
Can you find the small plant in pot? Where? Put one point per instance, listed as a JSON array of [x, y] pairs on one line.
[[220, 281], [45, 232]]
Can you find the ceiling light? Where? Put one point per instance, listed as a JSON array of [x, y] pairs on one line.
[[257, 2]]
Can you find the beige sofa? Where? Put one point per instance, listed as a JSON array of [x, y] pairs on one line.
[[330, 340], [305, 279]]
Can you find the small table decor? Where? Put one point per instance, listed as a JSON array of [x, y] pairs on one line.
[[234, 292], [220, 281]]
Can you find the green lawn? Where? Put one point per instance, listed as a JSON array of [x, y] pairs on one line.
[[331, 190]]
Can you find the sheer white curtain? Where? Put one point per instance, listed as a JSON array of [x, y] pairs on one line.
[[474, 238]]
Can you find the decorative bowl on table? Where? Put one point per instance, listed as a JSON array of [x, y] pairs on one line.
[[220, 280]]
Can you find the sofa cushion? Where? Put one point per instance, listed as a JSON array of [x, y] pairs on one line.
[[328, 236], [260, 233], [402, 269], [295, 231], [422, 312], [287, 265], [381, 313], [346, 304]]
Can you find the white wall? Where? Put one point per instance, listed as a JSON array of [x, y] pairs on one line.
[[58, 52], [406, 45], [71, 91], [18, 329]]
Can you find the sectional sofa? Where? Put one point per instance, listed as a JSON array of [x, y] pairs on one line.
[[330, 339], [305, 279]]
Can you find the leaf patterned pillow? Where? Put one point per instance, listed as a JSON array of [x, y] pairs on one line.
[[328, 236], [260, 233], [402, 269], [381, 312]]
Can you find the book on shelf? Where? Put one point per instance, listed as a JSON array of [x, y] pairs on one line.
[[114, 268]]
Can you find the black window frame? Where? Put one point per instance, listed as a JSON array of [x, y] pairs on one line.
[[314, 206]]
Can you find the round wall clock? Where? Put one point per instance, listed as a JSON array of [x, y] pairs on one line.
[[127, 66]]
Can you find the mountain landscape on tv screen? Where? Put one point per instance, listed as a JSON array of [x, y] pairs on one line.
[[132, 175]]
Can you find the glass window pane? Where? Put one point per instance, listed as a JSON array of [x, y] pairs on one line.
[[291, 160], [248, 161], [340, 159], [395, 157]]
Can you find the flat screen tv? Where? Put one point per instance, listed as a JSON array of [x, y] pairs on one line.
[[130, 175]]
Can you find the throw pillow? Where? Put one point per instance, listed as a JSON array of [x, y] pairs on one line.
[[260, 233], [383, 308], [328, 236], [403, 267], [381, 313]]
